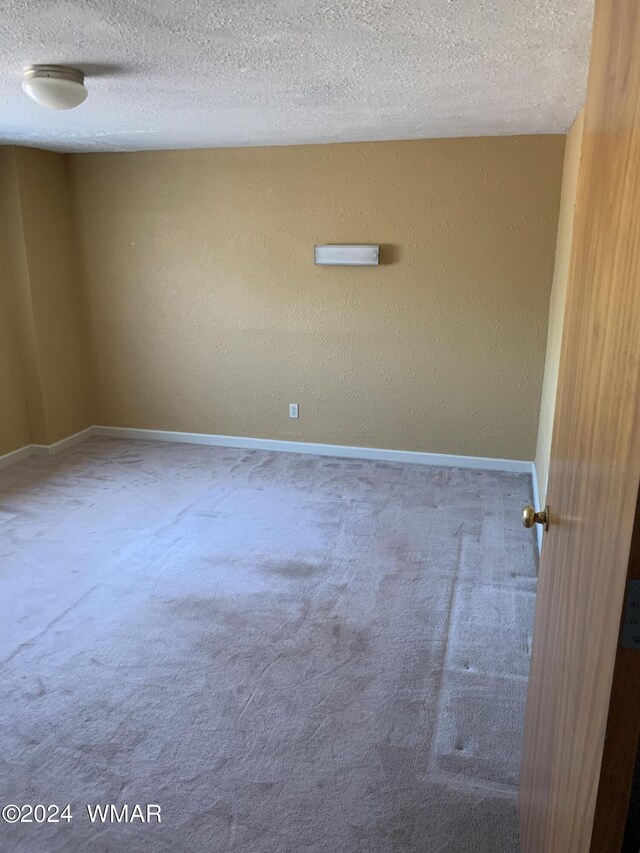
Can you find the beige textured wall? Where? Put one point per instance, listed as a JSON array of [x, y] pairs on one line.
[[14, 419], [46, 389], [208, 314], [556, 305], [58, 300], [21, 404]]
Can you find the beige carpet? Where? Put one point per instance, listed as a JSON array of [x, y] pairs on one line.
[[287, 653]]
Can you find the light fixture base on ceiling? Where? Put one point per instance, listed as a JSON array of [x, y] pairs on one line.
[[56, 87]]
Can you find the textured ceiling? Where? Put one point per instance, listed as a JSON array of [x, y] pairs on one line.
[[202, 73]]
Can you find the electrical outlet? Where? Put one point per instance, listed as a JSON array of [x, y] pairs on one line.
[[293, 410]]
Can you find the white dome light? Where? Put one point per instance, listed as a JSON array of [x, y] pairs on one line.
[[55, 87]]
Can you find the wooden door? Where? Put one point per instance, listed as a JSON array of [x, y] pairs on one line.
[[573, 794]]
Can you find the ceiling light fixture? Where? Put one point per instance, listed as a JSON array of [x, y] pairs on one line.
[[56, 87]]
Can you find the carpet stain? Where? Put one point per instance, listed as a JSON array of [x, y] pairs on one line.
[[294, 569]]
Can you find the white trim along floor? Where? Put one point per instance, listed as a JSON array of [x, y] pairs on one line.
[[482, 463]]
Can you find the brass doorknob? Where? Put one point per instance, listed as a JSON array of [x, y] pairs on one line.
[[531, 517]]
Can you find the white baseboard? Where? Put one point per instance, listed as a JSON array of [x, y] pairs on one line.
[[45, 449], [485, 463], [536, 503], [15, 456], [63, 444]]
